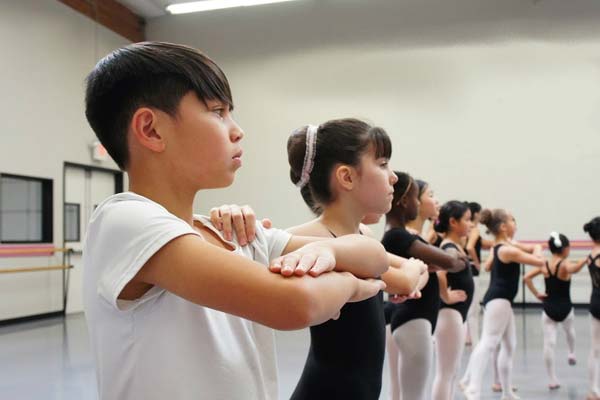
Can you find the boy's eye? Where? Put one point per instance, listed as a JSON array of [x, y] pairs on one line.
[[219, 111]]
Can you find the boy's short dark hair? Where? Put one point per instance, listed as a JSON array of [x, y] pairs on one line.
[[147, 74]]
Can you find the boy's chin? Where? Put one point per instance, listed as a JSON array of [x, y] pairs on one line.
[[223, 184]]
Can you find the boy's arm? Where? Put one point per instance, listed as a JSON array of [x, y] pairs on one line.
[[216, 278]]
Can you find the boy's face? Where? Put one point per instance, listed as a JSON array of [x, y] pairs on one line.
[[204, 143]]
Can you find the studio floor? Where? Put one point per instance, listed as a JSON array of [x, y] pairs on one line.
[[51, 359]]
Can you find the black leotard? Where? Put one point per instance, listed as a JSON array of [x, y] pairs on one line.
[[595, 275], [462, 280], [345, 359], [504, 282], [557, 304], [478, 244], [398, 241]]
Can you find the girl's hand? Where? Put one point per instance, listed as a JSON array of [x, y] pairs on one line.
[[366, 288], [541, 296], [314, 258], [397, 299], [242, 220], [456, 296]]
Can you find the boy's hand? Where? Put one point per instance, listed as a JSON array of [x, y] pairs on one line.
[[313, 258], [242, 220]]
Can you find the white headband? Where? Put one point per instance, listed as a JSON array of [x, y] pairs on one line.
[[309, 155], [556, 239]]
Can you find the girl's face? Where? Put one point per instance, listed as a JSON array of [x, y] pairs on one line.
[[510, 226], [476, 218], [374, 189], [462, 226], [429, 205]]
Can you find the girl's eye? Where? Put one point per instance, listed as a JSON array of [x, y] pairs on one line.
[[219, 112]]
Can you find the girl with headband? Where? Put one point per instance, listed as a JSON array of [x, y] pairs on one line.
[[342, 170], [558, 309]]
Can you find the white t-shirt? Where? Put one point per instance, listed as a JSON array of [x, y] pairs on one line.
[[162, 346]]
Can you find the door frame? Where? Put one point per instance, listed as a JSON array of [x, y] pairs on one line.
[[118, 175]]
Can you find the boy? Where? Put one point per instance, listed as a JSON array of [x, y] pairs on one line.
[[169, 302]]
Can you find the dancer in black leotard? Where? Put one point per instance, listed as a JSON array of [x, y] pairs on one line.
[[558, 309], [454, 222], [413, 321], [593, 229], [343, 173], [499, 324]]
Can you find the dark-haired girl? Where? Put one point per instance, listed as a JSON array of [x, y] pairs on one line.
[[428, 212], [498, 318], [410, 343], [558, 308], [592, 228], [342, 170], [454, 223]]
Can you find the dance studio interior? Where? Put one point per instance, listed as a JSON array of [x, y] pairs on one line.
[[300, 199]]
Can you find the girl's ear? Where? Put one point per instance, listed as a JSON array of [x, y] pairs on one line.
[[345, 176], [402, 202], [453, 222]]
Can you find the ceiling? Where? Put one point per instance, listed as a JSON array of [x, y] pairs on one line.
[[149, 8]]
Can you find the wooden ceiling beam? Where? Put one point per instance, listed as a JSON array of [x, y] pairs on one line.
[[113, 16]]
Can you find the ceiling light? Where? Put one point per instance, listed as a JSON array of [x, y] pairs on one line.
[[208, 5]]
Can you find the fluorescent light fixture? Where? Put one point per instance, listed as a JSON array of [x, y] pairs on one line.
[[208, 5]]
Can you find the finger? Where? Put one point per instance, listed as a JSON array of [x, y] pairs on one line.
[[275, 265], [215, 218], [266, 223], [225, 212], [289, 264], [250, 222], [336, 316], [238, 225], [306, 263], [322, 265]]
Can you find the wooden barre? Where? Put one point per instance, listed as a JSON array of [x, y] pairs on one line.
[[35, 269], [34, 250]]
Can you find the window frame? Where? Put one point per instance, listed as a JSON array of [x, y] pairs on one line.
[[47, 228]]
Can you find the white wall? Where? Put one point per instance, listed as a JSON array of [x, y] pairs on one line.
[[47, 51], [494, 101]]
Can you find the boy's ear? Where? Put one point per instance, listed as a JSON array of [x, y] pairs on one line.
[[345, 176], [144, 126]]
